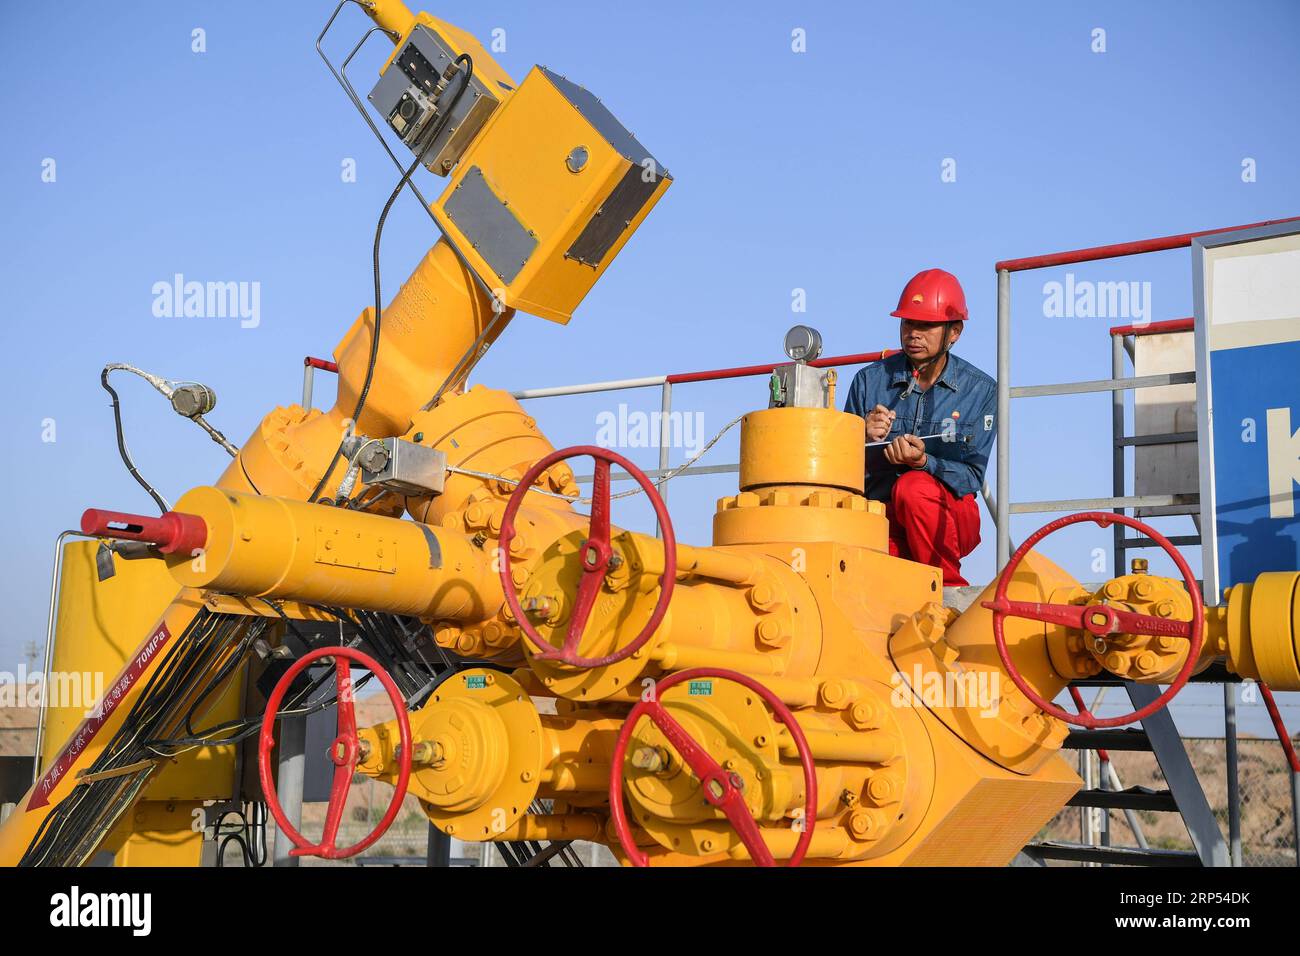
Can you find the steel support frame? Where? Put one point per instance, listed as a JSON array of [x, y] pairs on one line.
[[1180, 775]]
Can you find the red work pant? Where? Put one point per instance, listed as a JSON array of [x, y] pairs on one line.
[[929, 524]]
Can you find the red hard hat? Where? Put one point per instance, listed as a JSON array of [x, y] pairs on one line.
[[932, 296]]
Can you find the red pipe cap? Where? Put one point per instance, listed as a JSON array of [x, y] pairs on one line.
[[171, 532]]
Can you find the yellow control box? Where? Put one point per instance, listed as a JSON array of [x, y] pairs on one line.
[[547, 194]]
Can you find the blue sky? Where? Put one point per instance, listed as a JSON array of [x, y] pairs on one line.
[[818, 170]]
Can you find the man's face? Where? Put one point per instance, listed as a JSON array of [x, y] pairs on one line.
[[922, 341]]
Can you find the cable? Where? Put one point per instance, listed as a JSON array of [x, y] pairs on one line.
[[121, 444], [72, 830], [468, 74]]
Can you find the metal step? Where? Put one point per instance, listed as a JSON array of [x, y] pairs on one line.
[[1112, 855], [1107, 740], [1134, 798]]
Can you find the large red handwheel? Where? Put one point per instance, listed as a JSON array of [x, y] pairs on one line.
[[1098, 619], [344, 752], [720, 787], [596, 552]]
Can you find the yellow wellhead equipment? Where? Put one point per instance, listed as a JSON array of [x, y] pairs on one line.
[[790, 691]]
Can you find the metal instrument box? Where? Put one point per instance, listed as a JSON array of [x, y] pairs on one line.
[[547, 194]]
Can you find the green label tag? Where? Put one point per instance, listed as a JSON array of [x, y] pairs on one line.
[[476, 681], [701, 688]]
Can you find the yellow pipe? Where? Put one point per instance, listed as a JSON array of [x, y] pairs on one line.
[[431, 322], [871, 747], [549, 827], [672, 656], [733, 567], [286, 549]]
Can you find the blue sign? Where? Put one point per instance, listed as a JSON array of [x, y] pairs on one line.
[[1256, 460], [1246, 293]]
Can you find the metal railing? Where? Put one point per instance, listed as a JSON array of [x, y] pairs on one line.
[[1118, 501], [1117, 384]]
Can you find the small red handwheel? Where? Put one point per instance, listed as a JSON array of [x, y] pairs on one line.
[[596, 552], [720, 787], [1098, 619], [344, 752]]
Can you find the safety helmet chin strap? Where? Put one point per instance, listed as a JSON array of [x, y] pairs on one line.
[[917, 369]]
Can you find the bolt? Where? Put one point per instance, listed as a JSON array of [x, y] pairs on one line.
[[495, 635], [1138, 566], [1147, 662], [882, 788], [1116, 662], [426, 753], [1165, 609], [863, 715], [1114, 589], [769, 632], [865, 824], [1144, 589], [538, 605], [648, 758], [832, 693]]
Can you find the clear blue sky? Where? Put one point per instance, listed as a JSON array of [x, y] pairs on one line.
[[818, 170]]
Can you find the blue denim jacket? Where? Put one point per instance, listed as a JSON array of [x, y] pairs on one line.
[[961, 406]]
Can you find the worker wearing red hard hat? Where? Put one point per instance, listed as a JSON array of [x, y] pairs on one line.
[[930, 426]]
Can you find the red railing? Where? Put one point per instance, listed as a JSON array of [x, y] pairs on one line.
[[1155, 328], [1122, 248], [713, 375], [1283, 736]]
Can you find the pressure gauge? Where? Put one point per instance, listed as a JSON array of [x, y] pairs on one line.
[[803, 343]]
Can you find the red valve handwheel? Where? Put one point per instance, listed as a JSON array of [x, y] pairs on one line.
[[344, 752], [596, 552], [720, 787], [1098, 619]]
